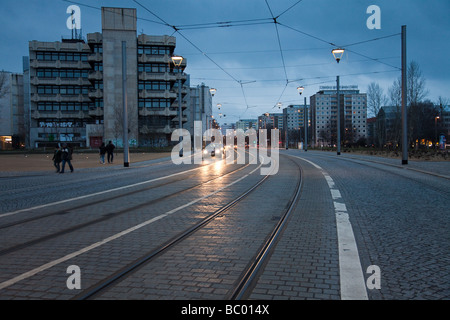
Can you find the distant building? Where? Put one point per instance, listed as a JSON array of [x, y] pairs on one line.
[[353, 106], [271, 121], [246, 124], [294, 120], [200, 102]]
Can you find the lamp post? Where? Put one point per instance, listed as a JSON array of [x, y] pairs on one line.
[[126, 154], [177, 61], [300, 92], [404, 101], [306, 122], [338, 54], [213, 91]]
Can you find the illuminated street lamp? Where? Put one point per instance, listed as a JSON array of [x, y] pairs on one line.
[[279, 105], [177, 61], [219, 106], [338, 53], [213, 91], [300, 90]]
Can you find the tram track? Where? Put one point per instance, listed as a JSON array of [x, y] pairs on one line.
[[107, 216], [246, 280]]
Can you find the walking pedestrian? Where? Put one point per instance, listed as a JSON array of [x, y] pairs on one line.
[[102, 153], [66, 156], [110, 150], [57, 159]]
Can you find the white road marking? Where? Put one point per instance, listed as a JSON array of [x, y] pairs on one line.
[[97, 193], [352, 283], [114, 237]]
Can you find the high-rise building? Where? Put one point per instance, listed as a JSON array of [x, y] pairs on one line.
[[324, 115], [76, 87]]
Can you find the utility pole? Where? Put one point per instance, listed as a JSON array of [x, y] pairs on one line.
[[338, 118], [126, 160], [404, 101], [305, 124]]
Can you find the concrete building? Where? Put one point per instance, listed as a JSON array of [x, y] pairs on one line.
[[271, 121], [76, 87], [294, 119], [13, 131], [246, 124], [200, 108], [353, 106]]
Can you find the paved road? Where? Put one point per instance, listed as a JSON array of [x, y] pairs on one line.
[[104, 219]]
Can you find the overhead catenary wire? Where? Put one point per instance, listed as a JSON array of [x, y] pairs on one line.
[[249, 22]]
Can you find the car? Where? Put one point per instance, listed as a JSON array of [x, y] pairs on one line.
[[212, 148]]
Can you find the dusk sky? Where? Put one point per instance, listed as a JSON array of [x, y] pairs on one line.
[[253, 62]]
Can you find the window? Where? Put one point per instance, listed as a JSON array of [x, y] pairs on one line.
[[154, 50], [154, 103]]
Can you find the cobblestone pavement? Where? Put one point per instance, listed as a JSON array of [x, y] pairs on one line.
[[102, 219]]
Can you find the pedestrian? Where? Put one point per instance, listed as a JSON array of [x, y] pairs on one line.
[[102, 153], [110, 150], [57, 159], [66, 156]]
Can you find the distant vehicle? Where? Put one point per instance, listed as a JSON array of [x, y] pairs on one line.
[[212, 148]]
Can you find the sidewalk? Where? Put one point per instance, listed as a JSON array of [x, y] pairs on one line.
[[43, 162], [441, 168]]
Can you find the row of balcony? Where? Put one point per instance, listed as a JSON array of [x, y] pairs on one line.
[[60, 64], [167, 76], [59, 81], [99, 112], [35, 97]]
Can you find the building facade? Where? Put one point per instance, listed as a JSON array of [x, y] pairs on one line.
[[246, 124], [13, 131], [76, 87], [324, 115]]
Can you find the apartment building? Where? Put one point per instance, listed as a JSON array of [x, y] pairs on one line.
[[324, 115]]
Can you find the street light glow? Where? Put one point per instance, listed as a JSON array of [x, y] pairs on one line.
[[338, 53], [177, 60]]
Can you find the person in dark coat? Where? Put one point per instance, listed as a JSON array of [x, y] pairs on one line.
[[57, 159], [102, 153], [110, 150], [66, 156]]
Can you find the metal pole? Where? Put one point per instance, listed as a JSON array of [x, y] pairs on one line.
[[404, 101], [180, 113], [286, 132], [126, 160], [305, 124], [338, 118]]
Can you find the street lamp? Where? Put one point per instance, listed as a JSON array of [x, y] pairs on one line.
[[212, 91], [177, 61], [338, 53], [300, 90], [219, 106]]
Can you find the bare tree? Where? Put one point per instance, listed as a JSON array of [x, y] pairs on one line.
[[375, 99], [416, 84]]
